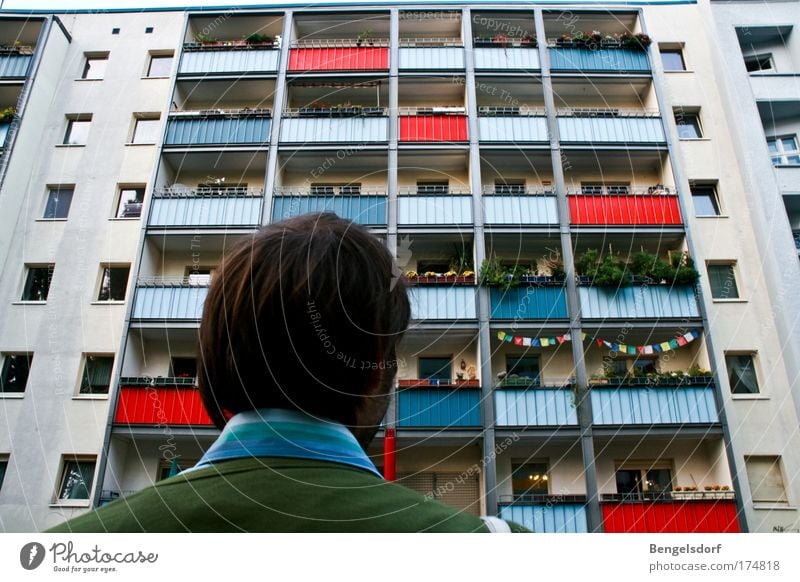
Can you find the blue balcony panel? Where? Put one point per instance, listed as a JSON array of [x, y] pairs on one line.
[[217, 130], [507, 58], [432, 210], [534, 407], [439, 407], [4, 127], [514, 129], [206, 211], [334, 130], [363, 209], [650, 302], [531, 209], [169, 303], [607, 60], [430, 58], [442, 303], [555, 518], [242, 61], [528, 303], [656, 405], [628, 130], [15, 66]]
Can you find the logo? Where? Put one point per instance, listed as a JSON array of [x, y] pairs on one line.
[[31, 555]]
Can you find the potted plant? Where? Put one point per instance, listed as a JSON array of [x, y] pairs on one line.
[[367, 36], [260, 39], [7, 115], [528, 41], [638, 41]]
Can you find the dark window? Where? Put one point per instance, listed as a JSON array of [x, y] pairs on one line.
[[174, 467], [146, 130], [673, 59], [742, 374], [634, 482], [432, 267], [643, 366], [784, 151], [148, 30], [130, 202], [433, 187], [755, 63], [436, 369], [113, 284], [688, 125], [705, 201], [95, 68], [58, 202], [3, 469], [529, 479], [160, 66], [722, 280], [96, 374], [524, 367], [184, 367], [591, 189], [37, 284], [16, 368], [509, 186], [76, 480], [77, 131], [115, 31]]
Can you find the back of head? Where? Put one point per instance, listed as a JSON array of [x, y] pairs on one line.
[[305, 314]]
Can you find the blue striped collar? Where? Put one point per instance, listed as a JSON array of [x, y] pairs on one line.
[[276, 432]]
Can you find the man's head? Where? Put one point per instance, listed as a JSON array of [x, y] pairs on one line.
[[304, 315]]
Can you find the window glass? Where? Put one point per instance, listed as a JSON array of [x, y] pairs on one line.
[[96, 374], [529, 479], [688, 125], [146, 130], [3, 469], [705, 201], [113, 284], [77, 131], [742, 374], [76, 481], [130, 202], [435, 369], [37, 283], [14, 376], [722, 280], [58, 203], [524, 367], [160, 66], [672, 60], [95, 68], [766, 479]]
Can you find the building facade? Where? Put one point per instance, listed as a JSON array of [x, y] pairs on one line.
[[598, 341]]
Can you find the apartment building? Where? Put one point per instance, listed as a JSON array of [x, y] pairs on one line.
[[598, 341]]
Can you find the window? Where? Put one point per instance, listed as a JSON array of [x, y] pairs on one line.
[[96, 375], [756, 63], [433, 266], [706, 202], [183, 367], [37, 283], [722, 279], [148, 30], [197, 275], [131, 199], [77, 131], [333, 189], [113, 284], [599, 189], [765, 478], [167, 469], [672, 59], [435, 369], [784, 151], [14, 376], [3, 469], [509, 186], [523, 367], [637, 367], [742, 374], [115, 31], [76, 479], [643, 479], [433, 187], [58, 202], [146, 130], [160, 66], [95, 67], [688, 124], [529, 478]]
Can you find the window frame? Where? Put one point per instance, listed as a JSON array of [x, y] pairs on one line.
[[758, 57], [517, 358], [64, 465], [104, 269], [643, 467], [696, 187], [145, 117], [157, 56], [777, 463], [782, 154], [81, 393], [753, 365], [88, 58], [27, 281], [732, 265], [519, 465], [682, 114], [120, 205], [4, 370], [447, 374], [71, 121], [5, 458], [60, 189], [672, 50]]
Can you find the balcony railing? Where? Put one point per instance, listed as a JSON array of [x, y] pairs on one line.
[[339, 55], [206, 207], [442, 303], [433, 124], [364, 208], [296, 128], [535, 406], [431, 54], [15, 62], [434, 42], [598, 126], [634, 209], [604, 59], [166, 299], [508, 205], [622, 406], [163, 402], [670, 512], [204, 59], [449, 208], [528, 302], [515, 55], [546, 513], [638, 302], [512, 124], [218, 127], [432, 407]]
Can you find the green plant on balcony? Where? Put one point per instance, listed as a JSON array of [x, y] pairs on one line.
[[650, 266], [7, 115], [698, 372], [634, 40], [685, 272], [494, 273], [262, 39], [610, 271], [367, 35], [461, 261], [553, 264]]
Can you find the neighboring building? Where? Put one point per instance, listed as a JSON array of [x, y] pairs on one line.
[[462, 136]]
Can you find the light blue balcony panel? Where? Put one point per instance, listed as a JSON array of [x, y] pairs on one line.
[[501, 209], [550, 518], [14, 66], [431, 58], [217, 130], [513, 129], [334, 130], [433, 210], [496, 59], [169, 303], [607, 60], [242, 61], [4, 127], [596, 130], [206, 211], [363, 209], [656, 405], [534, 407], [528, 303], [650, 302], [438, 407], [442, 303]]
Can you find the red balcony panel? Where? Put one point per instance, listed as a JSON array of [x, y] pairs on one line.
[[633, 209], [161, 405], [339, 59], [433, 128], [671, 517]]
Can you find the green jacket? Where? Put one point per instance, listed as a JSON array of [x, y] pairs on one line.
[[276, 495]]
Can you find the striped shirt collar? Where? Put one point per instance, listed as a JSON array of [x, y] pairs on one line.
[[275, 432]]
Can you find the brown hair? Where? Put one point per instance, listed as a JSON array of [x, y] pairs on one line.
[[305, 314]]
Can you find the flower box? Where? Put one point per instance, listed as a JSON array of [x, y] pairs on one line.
[[442, 280], [431, 383]]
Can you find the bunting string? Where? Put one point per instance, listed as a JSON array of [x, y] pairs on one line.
[[656, 348]]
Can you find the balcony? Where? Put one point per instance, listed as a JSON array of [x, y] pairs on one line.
[[218, 127], [442, 303], [638, 302], [324, 125], [366, 208], [160, 402], [15, 62], [645, 209], [512, 125], [534, 406], [511, 205], [651, 405], [227, 58], [4, 128], [433, 206], [506, 54], [546, 513], [610, 126], [529, 302], [430, 54], [339, 55], [164, 299], [670, 512], [609, 57], [433, 124], [422, 406], [206, 207]]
